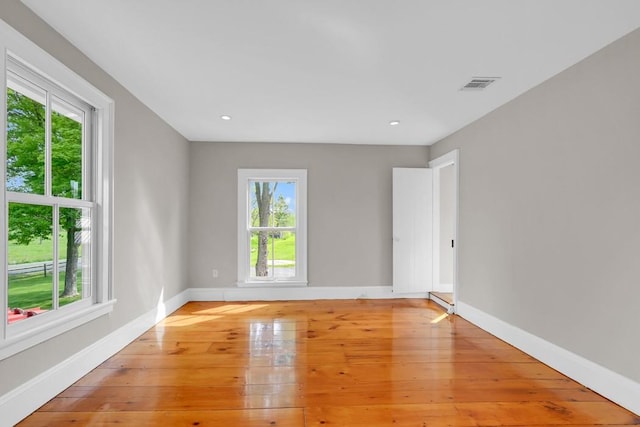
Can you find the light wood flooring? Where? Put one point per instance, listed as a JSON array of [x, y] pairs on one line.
[[324, 363]]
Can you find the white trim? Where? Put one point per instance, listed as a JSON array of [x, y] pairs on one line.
[[450, 158], [28, 397], [36, 329], [3, 173], [49, 329], [104, 131], [271, 283], [275, 293], [615, 387], [38, 199]]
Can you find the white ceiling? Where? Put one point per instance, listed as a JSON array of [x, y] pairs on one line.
[[333, 71]]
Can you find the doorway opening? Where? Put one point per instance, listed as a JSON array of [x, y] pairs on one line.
[[445, 228]]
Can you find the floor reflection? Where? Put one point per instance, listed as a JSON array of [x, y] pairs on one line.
[[271, 375]]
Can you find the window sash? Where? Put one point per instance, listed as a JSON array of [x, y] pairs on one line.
[[88, 296], [23, 78]]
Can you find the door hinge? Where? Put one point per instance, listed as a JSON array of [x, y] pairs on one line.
[[452, 244]]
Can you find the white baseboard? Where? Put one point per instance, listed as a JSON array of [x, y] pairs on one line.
[[23, 400], [615, 387], [273, 293]]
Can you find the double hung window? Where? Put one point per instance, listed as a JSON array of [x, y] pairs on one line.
[[272, 226], [55, 193], [49, 196]]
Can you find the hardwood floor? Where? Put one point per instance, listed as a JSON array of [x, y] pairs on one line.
[[317, 363]]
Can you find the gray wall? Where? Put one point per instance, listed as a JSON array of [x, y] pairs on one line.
[[151, 198], [550, 204], [349, 208]]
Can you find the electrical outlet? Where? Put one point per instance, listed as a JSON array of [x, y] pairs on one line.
[[214, 272]]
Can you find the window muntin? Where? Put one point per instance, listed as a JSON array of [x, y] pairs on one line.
[[47, 158], [272, 226]]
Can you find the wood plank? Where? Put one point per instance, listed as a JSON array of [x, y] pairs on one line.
[[289, 417], [174, 398], [264, 359], [318, 375], [198, 377], [471, 414], [435, 356]]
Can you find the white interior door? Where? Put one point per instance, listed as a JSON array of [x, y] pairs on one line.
[[412, 230]]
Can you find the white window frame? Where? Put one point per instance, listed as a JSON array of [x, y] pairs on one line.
[[22, 335], [245, 176]]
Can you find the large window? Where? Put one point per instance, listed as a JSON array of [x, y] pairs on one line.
[[272, 226], [55, 193], [49, 197]]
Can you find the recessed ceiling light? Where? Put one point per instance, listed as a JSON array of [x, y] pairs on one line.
[[225, 117], [394, 122]]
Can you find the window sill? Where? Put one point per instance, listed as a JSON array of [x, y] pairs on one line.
[[272, 284], [20, 342]]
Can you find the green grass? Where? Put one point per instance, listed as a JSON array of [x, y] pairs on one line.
[[34, 290], [284, 249], [35, 251]]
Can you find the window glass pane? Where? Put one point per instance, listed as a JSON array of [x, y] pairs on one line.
[[260, 195], [284, 254], [66, 149], [273, 254], [26, 118], [30, 256], [272, 203], [74, 253]]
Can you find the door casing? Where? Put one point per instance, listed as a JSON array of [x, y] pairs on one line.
[[449, 159]]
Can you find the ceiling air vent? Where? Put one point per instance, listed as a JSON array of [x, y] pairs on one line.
[[479, 83]]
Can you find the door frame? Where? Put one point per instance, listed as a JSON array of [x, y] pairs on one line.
[[451, 158]]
